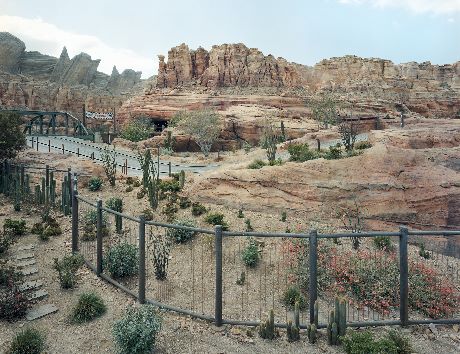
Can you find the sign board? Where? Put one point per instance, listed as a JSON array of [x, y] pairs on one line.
[[100, 116]]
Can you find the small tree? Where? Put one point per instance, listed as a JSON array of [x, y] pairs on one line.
[[348, 132], [352, 220], [136, 130], [12, 139], [268, 142], [109, 161], [324, 110], [160, 247], [203, 126]]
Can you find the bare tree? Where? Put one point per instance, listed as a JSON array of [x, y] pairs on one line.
[[348, 131], [203, 126], [324, 110]]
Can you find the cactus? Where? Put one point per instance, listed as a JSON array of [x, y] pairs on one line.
[[43, 191], [292, 332], [297, 314], [267, 328], [37, 194], [312, 333], [337, 325]]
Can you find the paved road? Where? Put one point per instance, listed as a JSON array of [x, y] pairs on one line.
[[86, 149]]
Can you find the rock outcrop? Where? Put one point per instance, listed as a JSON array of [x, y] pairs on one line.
[[11, 51], [37, 81], [226, 65]]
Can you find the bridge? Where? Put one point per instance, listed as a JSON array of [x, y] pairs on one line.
[[46, 122]]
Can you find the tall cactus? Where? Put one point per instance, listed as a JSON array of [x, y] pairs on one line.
[[267, 328], [293, 330], [337, 325]]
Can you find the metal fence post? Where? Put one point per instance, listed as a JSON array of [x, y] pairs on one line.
[[75, 221], [99, 238], [313, 284], [403, 276], [142, 259], [218, 247]]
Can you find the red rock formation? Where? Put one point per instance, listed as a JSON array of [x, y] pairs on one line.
[[225, 66]]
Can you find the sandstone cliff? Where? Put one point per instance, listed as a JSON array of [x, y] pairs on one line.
[[37, 81], [225, 66]]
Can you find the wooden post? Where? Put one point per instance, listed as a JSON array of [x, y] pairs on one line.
[[66, 124], [74, 220], [169, 168], [78, 151], [63, 148], [49, 145], [37, 143], [218, 250]]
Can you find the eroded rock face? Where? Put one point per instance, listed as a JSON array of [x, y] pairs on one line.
[[224, 66], [37, 81], [397, 181], [11, 51]]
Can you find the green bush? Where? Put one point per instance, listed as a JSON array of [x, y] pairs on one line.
[[249, 227], [136, 332], [361, 145], [257, 164], [334, 152], [383, 243], [169, 186], [182, 236], [90, 225], [15, 227], [251, 254], [184, 203], [283, 216], [12, 137], [364, 342], [198, 209], [122, 260], [37, 229], [67, 268], [401, 341], [95, 184], [89, 307], [301, 153], [129, 189], [292, 295], [28, 341], [136, 130], [216, 219]]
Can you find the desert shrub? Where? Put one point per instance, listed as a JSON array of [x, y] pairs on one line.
[[402, 343], [136, 183], [136, 332], [122, 260], [364, 144], [334, 152], [90, 225], [129, 189], [161, 247], [372, 278], [301, 153], [422, 252], [184, 202], [67, 268], [141, 194], [216, 219], [292, 295], [251, 254], [51, 230], [6, 240], [257, 164], [356, 342], [249, 227], [136, 130], [109, 161], [179, 235], [28, 341], [147, 214], [169, 186], [198, 209], [15, 227], [283, 216], [95, 184], [348, 132], [13, 303], [129, 180], [170, 210], [88, 307], [383, 243], [37, 228], [240, 214]]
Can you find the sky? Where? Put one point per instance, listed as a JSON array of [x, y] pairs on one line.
[[130, 34]]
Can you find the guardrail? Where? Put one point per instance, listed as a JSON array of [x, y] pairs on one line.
[[202, 283]]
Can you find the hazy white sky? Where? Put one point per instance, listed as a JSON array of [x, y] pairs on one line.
[[132, 34]]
